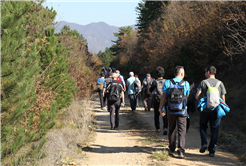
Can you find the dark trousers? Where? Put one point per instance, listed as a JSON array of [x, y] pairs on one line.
[[180, 120], [133, 101], [114, 113], [157, 116], [147, 100], [214, 122], [102, 99]]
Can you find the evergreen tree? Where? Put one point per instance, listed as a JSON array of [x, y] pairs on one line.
[[149, 12], [106, 57], [55, 68], [19, 69], [116, 47]]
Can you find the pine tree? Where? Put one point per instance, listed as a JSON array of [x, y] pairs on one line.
[[149, 12], [116, 48], [19, 68], [55, 64]]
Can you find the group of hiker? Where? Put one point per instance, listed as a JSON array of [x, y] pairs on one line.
[[173, 99]]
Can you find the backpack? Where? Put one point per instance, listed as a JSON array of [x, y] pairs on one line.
[[137, 86], [114, 94], [159, 88], [213, 96], [119, 80], [100, 85], [176, 99], [107, 81], [147, 86]]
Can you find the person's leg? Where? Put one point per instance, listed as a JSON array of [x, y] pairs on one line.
[[145, 101], [112, 111], [172, 132], [181, 122], [104, 100], [203, 127], [132, 102], [214, 128], [156, 114], [149, 102], [101, 98], [117, 117]]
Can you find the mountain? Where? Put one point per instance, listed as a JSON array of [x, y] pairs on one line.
[[98, 35]]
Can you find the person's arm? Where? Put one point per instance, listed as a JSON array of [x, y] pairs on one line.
[[223, 97], [162, 102], [123, 97], [104, 89], [198, 95]]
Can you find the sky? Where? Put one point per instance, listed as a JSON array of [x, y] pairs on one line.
[[115, 13]]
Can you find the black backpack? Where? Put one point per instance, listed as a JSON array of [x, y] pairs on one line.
[[147, 86], [159, 88], [107, 81], [114, 94], [176, 99]]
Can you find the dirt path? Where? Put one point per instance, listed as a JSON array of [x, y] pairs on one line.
[[127, 145]]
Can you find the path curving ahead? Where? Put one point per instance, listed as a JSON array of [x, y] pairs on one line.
[[122, 147]]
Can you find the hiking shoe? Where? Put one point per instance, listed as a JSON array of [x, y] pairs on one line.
[[211, 154], [203, 148], [181, 155], [171, 153], [112, 128], [146, 108], [158, 130], [165, 131], [137, 105]]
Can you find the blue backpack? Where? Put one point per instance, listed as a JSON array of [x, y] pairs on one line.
[[177, 99]]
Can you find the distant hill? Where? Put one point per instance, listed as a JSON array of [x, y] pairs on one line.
[[98, 35]]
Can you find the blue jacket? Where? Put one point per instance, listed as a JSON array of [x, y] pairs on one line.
[[221, 109]]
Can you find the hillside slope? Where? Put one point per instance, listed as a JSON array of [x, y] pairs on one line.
[[98, 35]]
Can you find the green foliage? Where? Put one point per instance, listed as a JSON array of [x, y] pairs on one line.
[[35, 82], [19, 70], [66, 30], [117, 47], [55, 67], [148, 13], [106, 57]]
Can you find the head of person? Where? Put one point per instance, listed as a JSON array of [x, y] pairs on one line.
[[160, 71], [136, 75], [114, 76], [131, 74], [110, 74], [102, 74], [117, 72], [179, 72], [210, 70], [148, 75]]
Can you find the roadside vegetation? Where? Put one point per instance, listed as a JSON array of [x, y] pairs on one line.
[[42, 74], [193, 34]]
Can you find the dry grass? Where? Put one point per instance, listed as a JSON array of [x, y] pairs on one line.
[[72, 130]]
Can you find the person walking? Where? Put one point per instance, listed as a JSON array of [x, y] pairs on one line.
[[138, 94], [157, 86], [100, 82], [176, 91], [116, 92], [121, 79], [147, 96], [207, 115], [105, 85], [131, 92]]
